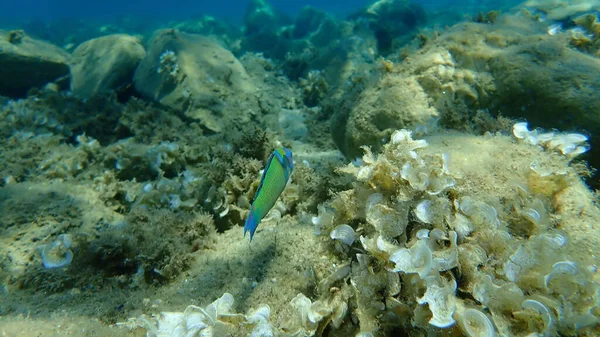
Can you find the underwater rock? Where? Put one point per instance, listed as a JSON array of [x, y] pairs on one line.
[[310, 42], [192, 74], [263, 26], [560, 10], [104, 64], [260, 16], [227, 34], [27, 63], [510, 68], [394, 102], [390, 19], [316, 26], [570, 102], [526, 276]]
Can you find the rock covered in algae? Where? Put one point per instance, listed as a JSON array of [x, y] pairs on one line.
[[474, 67], [263, 25], [191, 73], [389, 19], [562, 10], [104, 64], [520, 248], [518, 262], [26, 63], [394, 102], [512, 273]]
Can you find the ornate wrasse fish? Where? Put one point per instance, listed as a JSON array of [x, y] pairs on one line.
[[275, 177]]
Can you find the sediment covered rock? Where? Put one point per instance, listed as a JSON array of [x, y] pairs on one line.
[[191, 74], [379, 110], [104, 64], [26, 63]]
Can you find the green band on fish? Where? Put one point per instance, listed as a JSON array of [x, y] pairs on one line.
[[273, 181]]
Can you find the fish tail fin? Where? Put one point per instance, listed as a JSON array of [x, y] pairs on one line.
[[251, 223]]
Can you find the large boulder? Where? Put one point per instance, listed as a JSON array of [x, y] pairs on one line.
[[560, 10], [191, 74], [391, 20], [27, 63], [512, 68], [224, 32], [266, 30], [393, 103], [551, 86], [104, 64], [318, 27]]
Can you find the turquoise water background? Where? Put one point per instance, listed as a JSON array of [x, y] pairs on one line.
[[229, 10]]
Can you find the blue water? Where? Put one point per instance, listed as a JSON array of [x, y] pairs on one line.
[[231, 10], [67, 23]]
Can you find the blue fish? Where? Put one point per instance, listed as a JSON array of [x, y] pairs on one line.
[[275, 176]]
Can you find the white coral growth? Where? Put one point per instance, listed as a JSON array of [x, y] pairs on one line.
[[310, 313], [475, 323], [423, 257], [441, 300], [569, 144], [168, 64], [216, 319]]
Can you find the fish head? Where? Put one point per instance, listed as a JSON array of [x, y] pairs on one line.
[[288, 156]]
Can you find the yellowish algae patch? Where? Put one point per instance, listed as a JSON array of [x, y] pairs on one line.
[[524, 222], [284, 259], [61, 325], [44, 210], [490, 168]]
